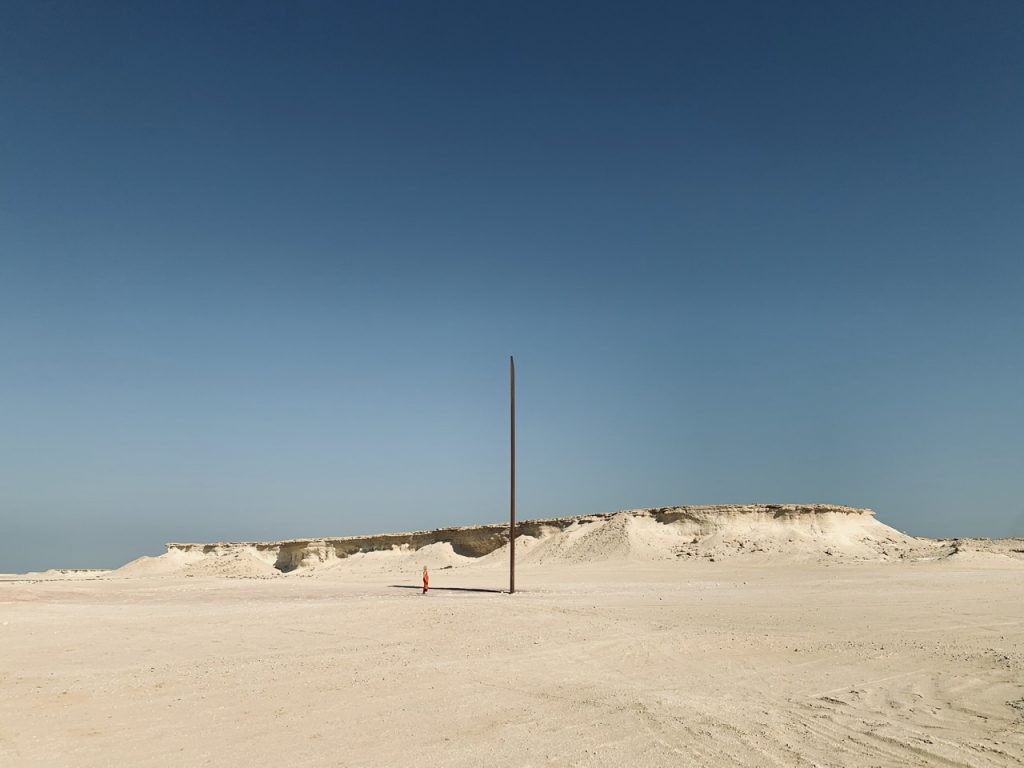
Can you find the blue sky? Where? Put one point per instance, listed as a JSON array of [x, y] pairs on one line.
[[261, 265]]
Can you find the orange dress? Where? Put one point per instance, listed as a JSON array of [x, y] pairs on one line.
[[426, 582]]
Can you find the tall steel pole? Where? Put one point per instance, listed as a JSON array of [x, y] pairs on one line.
[[512, 498]]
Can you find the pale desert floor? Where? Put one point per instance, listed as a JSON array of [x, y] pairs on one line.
[[626, 664]]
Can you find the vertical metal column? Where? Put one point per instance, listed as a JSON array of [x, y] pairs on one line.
[[512, 498]]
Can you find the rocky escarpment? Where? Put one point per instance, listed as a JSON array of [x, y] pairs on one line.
[[720, 528], [468, 541]]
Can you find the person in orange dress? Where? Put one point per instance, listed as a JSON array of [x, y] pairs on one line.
[[426, 580]]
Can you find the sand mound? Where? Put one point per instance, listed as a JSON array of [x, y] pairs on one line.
[[57, 574], [978, 557], [236, 565], [992, 552], [169, 562], [400, 559], [768, 533], [791, 534], [550, 545], [624, 536]]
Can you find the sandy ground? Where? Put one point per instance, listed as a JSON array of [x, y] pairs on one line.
[[613, 664]]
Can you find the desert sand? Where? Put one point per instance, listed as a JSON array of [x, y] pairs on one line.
[[718, 636]]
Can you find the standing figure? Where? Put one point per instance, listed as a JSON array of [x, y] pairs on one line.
[[426, 580]]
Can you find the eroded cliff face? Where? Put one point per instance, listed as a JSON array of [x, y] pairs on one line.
[[471, 541], [481, 540]]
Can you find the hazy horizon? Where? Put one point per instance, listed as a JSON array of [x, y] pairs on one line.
[[262, 266]]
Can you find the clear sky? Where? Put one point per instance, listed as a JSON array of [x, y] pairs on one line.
[[262, 265]]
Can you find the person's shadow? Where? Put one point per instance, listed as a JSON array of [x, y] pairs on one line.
[[446, 589]]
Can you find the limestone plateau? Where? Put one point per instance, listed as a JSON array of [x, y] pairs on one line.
[[824, 532]]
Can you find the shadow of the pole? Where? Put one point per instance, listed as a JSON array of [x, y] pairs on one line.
[[449, 589]]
